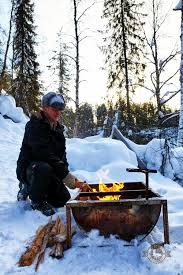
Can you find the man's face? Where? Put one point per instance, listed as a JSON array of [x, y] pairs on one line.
[[52, 113]]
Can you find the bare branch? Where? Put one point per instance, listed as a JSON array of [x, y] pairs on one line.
[[83, 13], [175, 93], [168, 79], [73, 44], [150, 61], [82, 81], [152, 80], [82, 70], [85, 29], [165, 17], [70, 57], [169, 58], [83, 38], [145, 87]]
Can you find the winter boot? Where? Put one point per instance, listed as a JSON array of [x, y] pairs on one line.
[[23, 192], [44, 207]]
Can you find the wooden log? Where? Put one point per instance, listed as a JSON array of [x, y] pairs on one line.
[[118, 135], [58, 252], [59, 238], [31, 252], [60, 241], [43, 246], [54, 232]]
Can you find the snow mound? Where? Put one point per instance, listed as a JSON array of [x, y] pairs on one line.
[[8, 109]]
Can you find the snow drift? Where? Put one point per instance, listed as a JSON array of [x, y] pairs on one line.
[[92, 159]]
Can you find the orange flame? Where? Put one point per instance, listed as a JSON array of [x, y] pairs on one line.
[[105, 188]]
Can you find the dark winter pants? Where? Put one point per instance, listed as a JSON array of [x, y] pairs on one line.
[[45, 186]]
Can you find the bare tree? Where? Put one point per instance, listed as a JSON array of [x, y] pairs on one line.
[[78, 39], [158, 79], [180, 130]]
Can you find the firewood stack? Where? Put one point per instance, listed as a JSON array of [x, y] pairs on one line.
[[52, 235]]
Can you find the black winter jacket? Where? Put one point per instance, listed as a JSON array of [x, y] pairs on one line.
[[41, 143]]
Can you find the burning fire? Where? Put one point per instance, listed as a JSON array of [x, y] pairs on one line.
[[105, 188]]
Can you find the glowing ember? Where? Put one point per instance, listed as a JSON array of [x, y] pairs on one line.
[[105, 188]]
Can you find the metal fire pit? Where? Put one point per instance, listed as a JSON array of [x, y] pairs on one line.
[[135, 213]]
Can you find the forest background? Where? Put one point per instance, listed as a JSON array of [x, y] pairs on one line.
[[114, 61]]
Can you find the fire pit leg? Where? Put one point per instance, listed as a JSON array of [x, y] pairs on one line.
[[165, 223], [68, 221]]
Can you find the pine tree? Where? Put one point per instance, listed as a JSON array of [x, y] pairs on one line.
[[101, 114], [25, 85], [86, 121], [144, 114], [123, 45], [68, 119], [60, 65]]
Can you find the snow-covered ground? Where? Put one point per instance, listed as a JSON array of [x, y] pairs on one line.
[[91, 159]]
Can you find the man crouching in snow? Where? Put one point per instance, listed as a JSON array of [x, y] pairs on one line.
[[42, 167]]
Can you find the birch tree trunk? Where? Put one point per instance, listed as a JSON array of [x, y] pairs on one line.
[[180, 130], [77, 68]]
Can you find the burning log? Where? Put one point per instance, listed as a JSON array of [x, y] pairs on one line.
[[108, 188]]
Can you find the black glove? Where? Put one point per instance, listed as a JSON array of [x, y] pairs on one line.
[[61, 170]]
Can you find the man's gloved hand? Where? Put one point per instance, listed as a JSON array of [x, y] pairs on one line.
[[83, 186], [60, 169]]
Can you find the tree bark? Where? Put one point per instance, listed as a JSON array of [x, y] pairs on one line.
[[180, 130], [77, 68], [156, 62], [8, 42], [126, 63]]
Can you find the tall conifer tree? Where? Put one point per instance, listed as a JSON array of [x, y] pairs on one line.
[[25, 85], [123, 45], [86, 121], [60, 65]]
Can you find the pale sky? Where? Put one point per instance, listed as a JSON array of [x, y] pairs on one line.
[[57, 14], [51, 15]]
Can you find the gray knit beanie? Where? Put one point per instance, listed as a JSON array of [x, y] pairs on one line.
[[54, 100]]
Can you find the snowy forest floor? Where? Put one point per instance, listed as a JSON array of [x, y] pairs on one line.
[[90, 159]]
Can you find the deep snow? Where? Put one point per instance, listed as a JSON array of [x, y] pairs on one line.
[[91, 159]]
